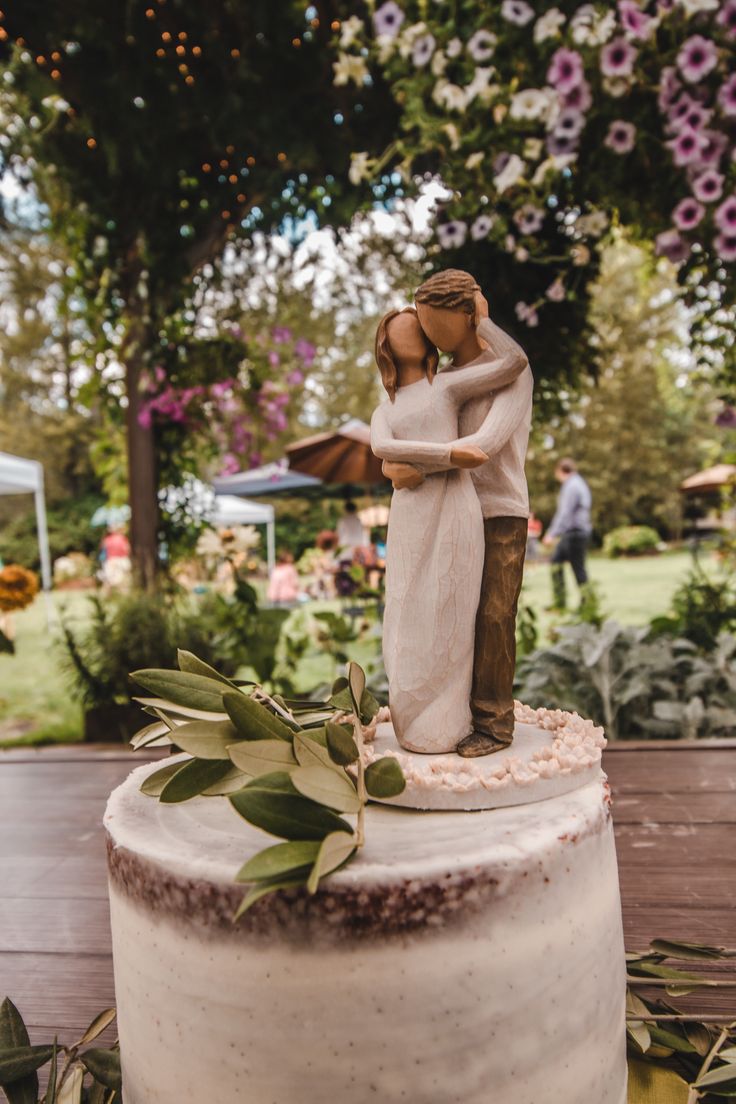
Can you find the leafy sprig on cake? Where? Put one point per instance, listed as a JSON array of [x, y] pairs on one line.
[[292, 768]]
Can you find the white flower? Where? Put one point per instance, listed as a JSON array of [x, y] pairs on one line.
[[55, 103], [511, 174], [453, 134], [615, 86], [482, 227], [422, 50], [592, 225], [452, 234], [349, 67], [692, 7], [409, 36], [517, 11], [450, 96], [556, 291], [532, 103], [360, 167], [481, 45], [474, 160], [350, 30], [439, 63], [533, 149], [386, 44], [480, 85], [552, 164], [454, 48], [591, 29], [548, 25], [521, 254]]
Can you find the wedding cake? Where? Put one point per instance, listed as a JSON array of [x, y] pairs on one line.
[[461, 957]]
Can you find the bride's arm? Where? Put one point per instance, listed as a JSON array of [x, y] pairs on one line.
[[388, 447], [509, 407]]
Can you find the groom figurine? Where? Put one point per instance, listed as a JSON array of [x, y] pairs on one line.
[[451, 307]]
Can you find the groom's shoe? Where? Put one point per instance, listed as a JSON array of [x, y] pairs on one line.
[[480, 743]]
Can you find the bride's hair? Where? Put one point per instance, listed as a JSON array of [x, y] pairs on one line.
[[385, 356], [451, 289]]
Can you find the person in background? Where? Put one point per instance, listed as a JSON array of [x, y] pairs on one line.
[[283, 585], [571, 528], [115, 557], [533, 534], [351, 533]]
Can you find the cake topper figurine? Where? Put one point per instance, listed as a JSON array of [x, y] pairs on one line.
[[453, 443]]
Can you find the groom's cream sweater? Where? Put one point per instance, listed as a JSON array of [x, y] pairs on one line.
[[499, 423]]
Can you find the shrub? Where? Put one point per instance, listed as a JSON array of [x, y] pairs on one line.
[[69, 531], [630, 540], [703, 607]]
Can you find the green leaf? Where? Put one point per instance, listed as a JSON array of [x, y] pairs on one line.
[[637, 1030], [263, 890], [701, 1038], [257, 757], [189, 662], [18, 1062], [229, 783], [165, 710], [206, 739], [154, 783], [98, 1025], [104, 1065], [342, 700], [273, 804], [328, 786], [650, 1084], [341, 745], [252, 720], [71, 1091], [181, 688], [335, 850], [728, 1054], [384, 778], [310, 753], [670, 1039], [691, 952], [283, 858], [50, 1097], [724, 1077], [152, 734], [356, 684], [194, 776], [13, 1033]]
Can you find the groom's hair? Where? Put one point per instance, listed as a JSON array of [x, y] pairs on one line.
[[385, 354], [451, 289]]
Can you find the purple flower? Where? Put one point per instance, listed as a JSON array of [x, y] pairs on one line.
[[566, 70], [481, 45], [633, 19], [556, 291], [714, 146], [526, 313], [145, 416], [725, 216], [281, 334], [688, 213], [560, 144], [669, 86], [578, 97], [708, 187], [229, 464], [274, 359], [422, 50], [669, 244], [617, 58], [621, 137], [387, 19], [305, 350], [481, 228], [687, 146], [697, 57], [727, 418], [517, 11], [727, 18], [529, 218], [295, 378], [452, 234], [688, 112], [569, 123], [727, 96], [726, 246]]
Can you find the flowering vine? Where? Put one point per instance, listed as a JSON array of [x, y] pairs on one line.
[[545, 122]]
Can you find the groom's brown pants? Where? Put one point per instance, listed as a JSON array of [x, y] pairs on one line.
[[492, 700]]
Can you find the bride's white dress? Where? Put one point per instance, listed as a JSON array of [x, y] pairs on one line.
[[434, 559]]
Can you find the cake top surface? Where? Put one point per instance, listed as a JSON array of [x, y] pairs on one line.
[[205, 838]]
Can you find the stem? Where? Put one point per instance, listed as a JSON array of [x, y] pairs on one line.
[[694, 1094], [362, 792], [653, 1018], [682, 983]]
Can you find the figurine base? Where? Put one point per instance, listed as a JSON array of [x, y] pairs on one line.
[[545, 760]]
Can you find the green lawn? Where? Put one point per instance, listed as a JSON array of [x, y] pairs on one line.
[[36, 707]]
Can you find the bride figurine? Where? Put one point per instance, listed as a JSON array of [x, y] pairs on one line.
[[435, 545]]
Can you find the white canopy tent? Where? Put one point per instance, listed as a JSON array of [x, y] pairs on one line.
[[19, 476]]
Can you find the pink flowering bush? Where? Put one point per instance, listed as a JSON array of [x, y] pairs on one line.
[[231, 417], [547, 121]]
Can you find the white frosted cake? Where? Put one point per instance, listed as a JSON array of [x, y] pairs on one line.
[[461, 958]]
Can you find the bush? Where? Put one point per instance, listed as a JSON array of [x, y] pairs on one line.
[[630, 540], [633, 683], [69, 531], [703, 607]]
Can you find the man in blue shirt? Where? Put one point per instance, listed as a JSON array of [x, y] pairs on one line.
[[571, 524]]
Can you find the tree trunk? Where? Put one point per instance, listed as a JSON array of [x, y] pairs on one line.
[[142, 481]]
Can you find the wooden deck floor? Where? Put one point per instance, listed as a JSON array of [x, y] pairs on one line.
[[675, 816]]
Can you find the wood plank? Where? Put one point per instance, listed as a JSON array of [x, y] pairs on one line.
[[70, 926], [687, 771], [675, 845], [671, 808]]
